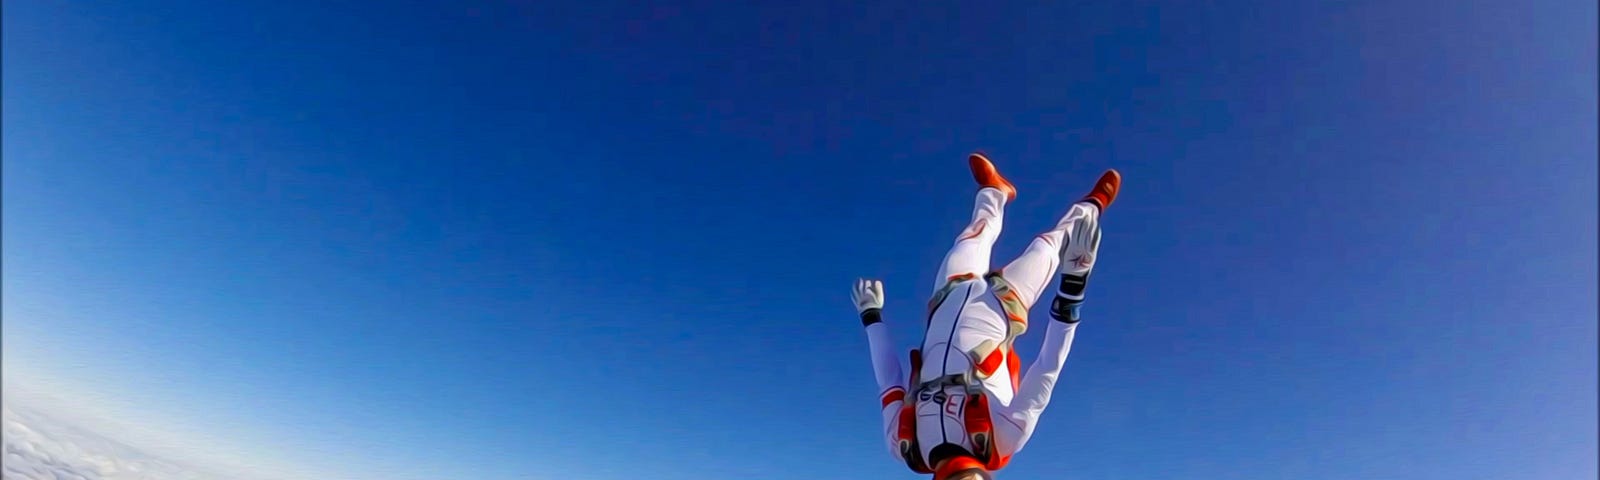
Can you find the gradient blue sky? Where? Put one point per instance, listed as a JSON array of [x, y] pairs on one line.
[[1356, 239]]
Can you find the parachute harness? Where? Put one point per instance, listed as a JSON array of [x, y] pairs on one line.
[[976, 416]]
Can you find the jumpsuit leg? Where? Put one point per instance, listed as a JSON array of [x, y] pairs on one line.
[[971, 252], [1031, 272]]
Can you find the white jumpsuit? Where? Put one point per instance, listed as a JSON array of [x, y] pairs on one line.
[[969, 316]]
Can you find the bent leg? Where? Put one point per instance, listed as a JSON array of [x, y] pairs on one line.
[[970, 255], [1031, 272]]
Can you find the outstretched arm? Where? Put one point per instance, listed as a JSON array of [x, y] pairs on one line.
[[868, 296], [1033, 394]]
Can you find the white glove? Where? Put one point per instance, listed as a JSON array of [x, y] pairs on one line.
[[1078, 257], [868, 295]]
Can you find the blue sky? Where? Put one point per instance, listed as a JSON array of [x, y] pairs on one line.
[[389, 240]]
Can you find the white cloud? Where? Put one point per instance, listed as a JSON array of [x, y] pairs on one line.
[[80, 433], [39, 447]]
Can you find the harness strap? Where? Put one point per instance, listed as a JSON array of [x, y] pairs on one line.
[[907, 434], [1011, 302], [981, 428]]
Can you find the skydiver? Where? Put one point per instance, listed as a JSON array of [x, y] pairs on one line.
[[971, 409]]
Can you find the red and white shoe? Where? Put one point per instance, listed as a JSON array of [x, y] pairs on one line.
[[1105, 190], [987, 176]]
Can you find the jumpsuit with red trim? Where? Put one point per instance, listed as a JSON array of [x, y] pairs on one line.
[[970, 329]]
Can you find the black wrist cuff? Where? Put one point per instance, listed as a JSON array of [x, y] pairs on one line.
[[1073, 284], [871, 316]]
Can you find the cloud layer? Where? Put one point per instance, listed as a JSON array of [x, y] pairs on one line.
[[39, 447]]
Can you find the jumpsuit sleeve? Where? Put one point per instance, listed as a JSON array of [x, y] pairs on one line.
[[1033, 393], [886, 367]]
